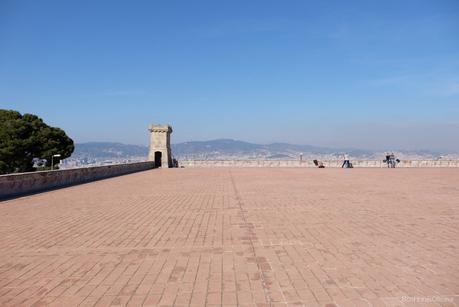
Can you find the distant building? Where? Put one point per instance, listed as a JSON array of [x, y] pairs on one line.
[[160, 145]]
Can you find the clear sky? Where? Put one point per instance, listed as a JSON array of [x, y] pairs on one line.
[[367, 74]]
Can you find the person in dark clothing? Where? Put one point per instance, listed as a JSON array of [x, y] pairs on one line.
[[387, 159], [346, 163], [319, 164]]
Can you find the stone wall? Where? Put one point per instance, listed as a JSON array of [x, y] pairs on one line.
[[24, 183], [327, 163]]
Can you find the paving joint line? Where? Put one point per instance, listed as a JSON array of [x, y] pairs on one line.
[[252, 245]]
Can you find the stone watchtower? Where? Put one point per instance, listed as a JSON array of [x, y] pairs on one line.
[[160, 145]]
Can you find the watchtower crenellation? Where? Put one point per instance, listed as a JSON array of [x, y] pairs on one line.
[[160, 145]]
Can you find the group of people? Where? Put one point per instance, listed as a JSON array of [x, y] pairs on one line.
[[346, 164], [390, 160]]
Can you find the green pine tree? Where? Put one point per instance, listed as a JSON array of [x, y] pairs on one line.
[[25, 137]]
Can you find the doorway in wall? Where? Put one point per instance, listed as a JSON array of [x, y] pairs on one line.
[[158, 157]]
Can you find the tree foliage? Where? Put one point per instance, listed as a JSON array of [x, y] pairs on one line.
[[25, 137]]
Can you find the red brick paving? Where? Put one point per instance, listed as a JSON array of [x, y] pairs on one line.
[[245, 237]]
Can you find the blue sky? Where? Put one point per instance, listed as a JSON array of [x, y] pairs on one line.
[[366, 74]]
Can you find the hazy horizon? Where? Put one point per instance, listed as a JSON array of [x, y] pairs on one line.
[[354, 74], [287, 143]]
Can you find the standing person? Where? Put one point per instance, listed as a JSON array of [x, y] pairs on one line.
[[392, 160], [346, 161], [388, 159]]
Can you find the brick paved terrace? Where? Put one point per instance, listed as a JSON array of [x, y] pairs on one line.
[[237, 237]]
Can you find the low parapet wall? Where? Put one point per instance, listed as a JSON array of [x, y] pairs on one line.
[[327, 163], [25, 183]]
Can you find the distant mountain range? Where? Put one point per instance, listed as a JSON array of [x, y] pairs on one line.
[[228, 148], [222, 149]]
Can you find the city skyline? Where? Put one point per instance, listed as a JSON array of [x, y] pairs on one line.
[[366, 75]]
